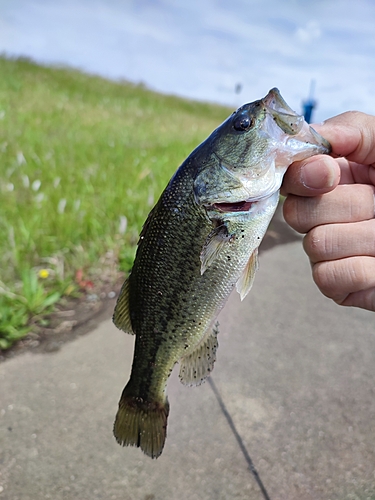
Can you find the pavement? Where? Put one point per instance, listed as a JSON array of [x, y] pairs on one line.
[[296, 375]]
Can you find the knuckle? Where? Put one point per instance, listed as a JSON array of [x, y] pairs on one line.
[[295, 213], [328, 278], [323, 278], [315, 244], [337, 278], [358, 272], [321, 243]]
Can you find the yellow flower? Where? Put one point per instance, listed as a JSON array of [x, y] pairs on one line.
[[43, 273]]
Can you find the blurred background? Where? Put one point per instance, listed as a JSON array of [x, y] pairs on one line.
[[225, 52], [100, 102]]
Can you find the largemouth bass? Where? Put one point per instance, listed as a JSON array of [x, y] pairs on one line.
[[199, 242]]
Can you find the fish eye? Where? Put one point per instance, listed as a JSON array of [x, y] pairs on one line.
[[242, 123]]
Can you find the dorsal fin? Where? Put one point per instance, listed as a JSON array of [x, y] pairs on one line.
[[121, 315], [246, 280]]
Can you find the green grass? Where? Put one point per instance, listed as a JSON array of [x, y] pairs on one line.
[[83, 160]]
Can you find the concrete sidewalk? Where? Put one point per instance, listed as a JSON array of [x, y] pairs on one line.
[[295, 371]]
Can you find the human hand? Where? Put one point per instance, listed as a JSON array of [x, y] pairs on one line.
[[332, 200]]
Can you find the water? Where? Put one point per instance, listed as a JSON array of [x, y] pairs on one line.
[[208, 50]]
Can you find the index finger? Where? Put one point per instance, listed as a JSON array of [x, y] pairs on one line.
[[351, 134]]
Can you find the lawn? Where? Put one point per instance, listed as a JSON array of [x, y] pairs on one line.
[[83, 160]]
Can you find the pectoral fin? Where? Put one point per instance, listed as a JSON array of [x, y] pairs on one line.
[[121, 316], [246, 280], [215, 244], [197, 366]]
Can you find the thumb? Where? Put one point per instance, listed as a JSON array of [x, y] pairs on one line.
[[351, 134]]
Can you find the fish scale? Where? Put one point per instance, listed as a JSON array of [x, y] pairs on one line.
[[198, 243], [177, 274]]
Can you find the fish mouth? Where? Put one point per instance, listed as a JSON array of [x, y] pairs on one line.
[[241, 206], [293, 124]]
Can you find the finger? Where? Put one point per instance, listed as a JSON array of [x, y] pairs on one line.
[[353, 203], [364, 299], [311, 177], [337, 241], [339, 278], [355, 173], [351, 134]]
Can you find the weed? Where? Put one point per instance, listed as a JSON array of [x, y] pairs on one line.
[[13, 322], [82, 161], [33, 295]]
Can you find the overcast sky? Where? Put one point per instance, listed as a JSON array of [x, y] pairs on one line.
[[203, 48]]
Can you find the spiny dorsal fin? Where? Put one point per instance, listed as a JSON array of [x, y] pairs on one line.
[[214, 245], [121, 316], [246, 280], [197, 366]]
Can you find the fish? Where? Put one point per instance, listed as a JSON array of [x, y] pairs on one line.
[[200, 242]]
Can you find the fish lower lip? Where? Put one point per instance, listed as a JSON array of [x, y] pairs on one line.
[[239, 206]]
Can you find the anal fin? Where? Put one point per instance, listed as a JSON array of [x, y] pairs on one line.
[[197, 366], [121, 315], [246, 280]]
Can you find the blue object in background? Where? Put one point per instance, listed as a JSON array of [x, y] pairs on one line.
[[309, 105]]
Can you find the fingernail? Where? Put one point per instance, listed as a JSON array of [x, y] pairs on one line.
[[318, 174]]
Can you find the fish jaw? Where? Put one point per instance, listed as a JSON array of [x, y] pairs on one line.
[[293, 137], [250, 165], [284, 149]]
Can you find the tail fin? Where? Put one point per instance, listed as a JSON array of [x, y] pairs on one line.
[[141, 423]]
